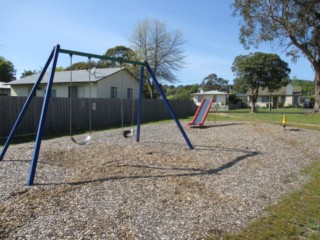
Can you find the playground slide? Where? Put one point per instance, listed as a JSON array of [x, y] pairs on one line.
[[201, 113]]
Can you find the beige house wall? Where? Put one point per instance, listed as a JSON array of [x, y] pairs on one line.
[[22, 90], [99, 89], [104, 87]]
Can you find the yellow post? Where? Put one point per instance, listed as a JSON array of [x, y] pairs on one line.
[[284, 121]]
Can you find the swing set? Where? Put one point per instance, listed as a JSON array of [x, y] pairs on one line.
[[126, 133]]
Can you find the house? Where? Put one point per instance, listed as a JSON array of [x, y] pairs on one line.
[[4, 89], [220, 98], [285, 96], [105, 83]]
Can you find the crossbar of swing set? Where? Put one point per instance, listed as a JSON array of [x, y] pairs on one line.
[[54, 58], [101, 57]]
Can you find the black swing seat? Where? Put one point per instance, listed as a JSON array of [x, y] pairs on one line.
[[128, 133]]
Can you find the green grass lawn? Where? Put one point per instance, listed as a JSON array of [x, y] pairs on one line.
[[296, 216]]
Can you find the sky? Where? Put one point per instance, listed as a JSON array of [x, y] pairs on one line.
[[30, 29]]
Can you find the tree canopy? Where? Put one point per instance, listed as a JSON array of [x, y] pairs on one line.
[[291, 24], [259, 70], [213, 82], [306, 86], [162, 49], [28, 73], [7, 71]]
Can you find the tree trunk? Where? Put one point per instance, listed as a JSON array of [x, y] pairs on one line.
[[253, 106], [270, 102], [317, 92]]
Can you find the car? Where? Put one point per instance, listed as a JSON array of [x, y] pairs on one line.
[[308, 104]]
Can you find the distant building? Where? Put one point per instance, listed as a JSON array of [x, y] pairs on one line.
[[105, 83], [220, 98], [285, 96]]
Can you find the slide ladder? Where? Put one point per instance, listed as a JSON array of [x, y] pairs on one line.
[[201, 113]]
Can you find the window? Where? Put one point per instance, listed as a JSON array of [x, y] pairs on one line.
[[130, 93], [114, 92], [53, 93], [73, 92], [265, 99]]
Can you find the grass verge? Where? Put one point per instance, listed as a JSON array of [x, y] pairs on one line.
[[296, 216], [295, 118]]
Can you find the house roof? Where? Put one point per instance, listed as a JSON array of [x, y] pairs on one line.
[[296, 90], [64, 76], [213, 92], [4, 85]]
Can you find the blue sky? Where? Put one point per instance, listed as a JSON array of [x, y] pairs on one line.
[[30, 30]]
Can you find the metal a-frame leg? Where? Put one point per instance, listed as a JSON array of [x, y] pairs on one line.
[[139, 104], [43, 115], [169, 107]]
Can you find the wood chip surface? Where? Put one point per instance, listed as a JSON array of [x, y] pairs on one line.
[[115, 188]]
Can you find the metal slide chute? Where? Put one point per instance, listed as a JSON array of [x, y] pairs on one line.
[[201, 113]]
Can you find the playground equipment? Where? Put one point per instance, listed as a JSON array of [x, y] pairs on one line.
[[284, 121], [129, 132], [54, 58], [88, 138], [201, 113]]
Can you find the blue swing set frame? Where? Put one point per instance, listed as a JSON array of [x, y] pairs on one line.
[[54, 58]]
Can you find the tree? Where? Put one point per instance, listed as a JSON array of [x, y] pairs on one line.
[[121, 52], [259, 70], [307, 86], [233, 99], [213, 82], [27, 73], [59, 69], [7, 71], [81, 65], [162, 49], [293, 24]]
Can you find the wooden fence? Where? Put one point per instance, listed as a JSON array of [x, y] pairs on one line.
[[104, 113]]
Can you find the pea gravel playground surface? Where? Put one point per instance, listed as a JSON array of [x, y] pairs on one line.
[[115, 188]]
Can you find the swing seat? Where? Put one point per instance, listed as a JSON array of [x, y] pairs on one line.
[[128, 133], [83, 142]]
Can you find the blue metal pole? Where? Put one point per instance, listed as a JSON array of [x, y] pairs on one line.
[[45, 104], [139, 104], [25, 107], [168, 105]]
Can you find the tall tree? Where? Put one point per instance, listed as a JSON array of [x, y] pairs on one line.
[[161, 48], [259, 70], [213, 82], [7, 71], [293, 24]]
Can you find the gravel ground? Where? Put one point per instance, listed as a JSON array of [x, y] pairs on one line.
[[115, 188]]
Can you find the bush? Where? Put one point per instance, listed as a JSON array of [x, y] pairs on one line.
[[280, 104]]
